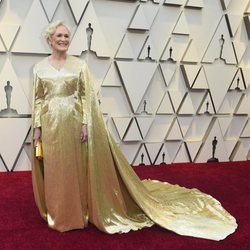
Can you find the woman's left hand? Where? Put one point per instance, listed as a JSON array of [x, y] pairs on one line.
[[84, 133]]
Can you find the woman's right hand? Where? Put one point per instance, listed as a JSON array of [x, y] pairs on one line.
[[37, 135]]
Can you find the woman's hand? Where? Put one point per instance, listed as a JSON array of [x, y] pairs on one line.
[[37, 135], [84, 133]]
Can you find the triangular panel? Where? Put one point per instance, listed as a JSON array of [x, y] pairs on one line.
[[78, 7], [177, 45], [159, 128], [162, 157], [23, 163], [190, 73], [191, 53], [200, 81], [81, 42], [37, 45], [136, 77], [220, 46], [112, 77], [161, 30], [182, 155], [131, 45], [144, 123], [238, 81], [114, 101], [242, 153], [153, 150], [176, 98], [224, 123], [193, 148], [121, 124], [8, 33], [198, 128], [19, 103], [191, 103], [220, 149], [174, 132], [168, 71], [139, 20], [125, 50], [142, 157], [230, 102], [236, 127], [12, 141], [172, 148], [153, 95], [184, 123], [220, 77], [130, 150], [181, 27], [132, 133], [206, 106], [148, 50], [143, 17], [165, 106], [50, 7], [186, 106]]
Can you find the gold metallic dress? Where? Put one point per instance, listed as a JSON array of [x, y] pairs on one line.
[[80, 182]]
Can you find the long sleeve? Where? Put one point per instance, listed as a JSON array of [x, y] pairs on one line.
[[84, 77], [37, 100]]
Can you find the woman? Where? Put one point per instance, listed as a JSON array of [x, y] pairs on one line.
[[85, 177]]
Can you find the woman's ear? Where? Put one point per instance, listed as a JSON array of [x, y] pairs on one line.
[[49, 41]]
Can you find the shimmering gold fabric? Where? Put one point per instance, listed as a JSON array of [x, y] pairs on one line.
[[80, 182]]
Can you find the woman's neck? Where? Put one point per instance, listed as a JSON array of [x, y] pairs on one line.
[[55, 56], [57, 60]]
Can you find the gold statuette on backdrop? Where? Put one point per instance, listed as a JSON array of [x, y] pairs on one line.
[[39, 150]]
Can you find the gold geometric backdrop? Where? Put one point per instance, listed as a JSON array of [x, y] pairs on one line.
[[171, 75]]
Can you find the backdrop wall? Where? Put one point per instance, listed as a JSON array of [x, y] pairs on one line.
[[171, 75]]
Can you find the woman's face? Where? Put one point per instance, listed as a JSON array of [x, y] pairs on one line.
[[59, 41]]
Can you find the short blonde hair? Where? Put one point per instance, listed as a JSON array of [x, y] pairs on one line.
[[51, 29]]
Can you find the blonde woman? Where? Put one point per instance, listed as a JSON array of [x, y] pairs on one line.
[[59, 120], [84, 177]]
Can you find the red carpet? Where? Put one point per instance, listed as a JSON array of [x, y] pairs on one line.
[[22, 228]]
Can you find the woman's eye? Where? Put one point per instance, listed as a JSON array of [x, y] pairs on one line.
[[61, 35]]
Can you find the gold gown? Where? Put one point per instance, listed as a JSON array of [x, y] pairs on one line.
[[80, 182]]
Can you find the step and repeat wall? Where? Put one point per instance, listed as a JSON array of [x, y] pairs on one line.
[[172, 76]]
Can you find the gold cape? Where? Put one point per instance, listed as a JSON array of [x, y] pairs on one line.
[[80, 182]]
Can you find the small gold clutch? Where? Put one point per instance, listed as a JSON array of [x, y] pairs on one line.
[[39, 150]]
